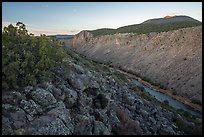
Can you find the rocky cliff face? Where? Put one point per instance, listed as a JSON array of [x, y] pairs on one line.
[[172, 59], [85, 102]]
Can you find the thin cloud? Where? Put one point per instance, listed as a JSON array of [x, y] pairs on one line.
[[49, 32], [74, 31], [199, 13], [74, 10], [45, 5]]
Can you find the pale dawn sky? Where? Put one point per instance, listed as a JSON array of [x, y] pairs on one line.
[[72, 17]]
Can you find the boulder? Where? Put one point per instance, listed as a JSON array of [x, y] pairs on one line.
[[15, 118], [77, 68], [63, 114], [27, 90], [14, 113], [129, 99], [58, 94], [12, 98], [20, 131], [83, 126], [100, 129], [47, 125], [9, 108], [48, 86], [129, 127], [100, 115], [152, 120], [70, 98], [84, 110], [43, 97], [144, 113], [93, 84], [93, 92], [6, 126], [166, 131], [113, 120], [30, 107], [18, 124], [75, 81], [101, 101], [85, 79]]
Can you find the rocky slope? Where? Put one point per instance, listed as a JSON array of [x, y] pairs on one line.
[[172, 59], [90, 100]]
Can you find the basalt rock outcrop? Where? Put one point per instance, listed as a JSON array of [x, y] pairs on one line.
[[173, 59], [90, 104]]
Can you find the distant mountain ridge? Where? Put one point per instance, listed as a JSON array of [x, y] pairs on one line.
[[152, 25], [169, 19]]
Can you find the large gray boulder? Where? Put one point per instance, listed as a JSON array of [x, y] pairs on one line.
[[144, 113], [6, 126], [70, 98], [13, 98], [92, 92], [43, 97], [12, 118], [63, 114], [101, 101], [58, 94], [84, 125], [75, 81], [30, 107], [77, 68], [47, 125], [100, 129]]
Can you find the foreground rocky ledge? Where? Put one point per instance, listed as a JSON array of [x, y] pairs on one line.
[[87, 103]]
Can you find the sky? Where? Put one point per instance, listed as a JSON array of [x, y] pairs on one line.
[[72, 17]]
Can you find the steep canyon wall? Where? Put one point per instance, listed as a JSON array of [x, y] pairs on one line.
[[173, 58]]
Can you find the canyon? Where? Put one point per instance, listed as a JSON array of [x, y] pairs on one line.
[[173, 58], [90, 100], [104, 82]]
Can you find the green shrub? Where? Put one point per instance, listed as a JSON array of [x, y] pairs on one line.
[[174, 93], [141, 92], [141, 88], [195, 101], [120, 76], [28, 59], [166, 102], [187, 129]]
